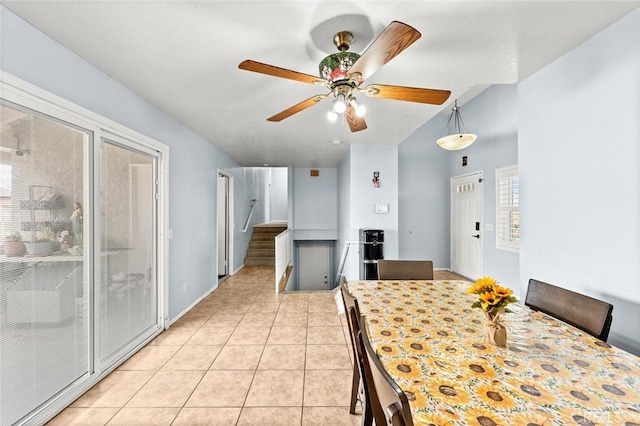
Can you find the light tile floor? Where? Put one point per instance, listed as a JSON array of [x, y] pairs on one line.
[[242, 356]]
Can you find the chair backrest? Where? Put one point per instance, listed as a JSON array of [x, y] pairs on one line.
[[405, 269], [390, 404], [352, 311], [586, 313]]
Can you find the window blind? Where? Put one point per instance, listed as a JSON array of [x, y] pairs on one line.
[[508, 208]]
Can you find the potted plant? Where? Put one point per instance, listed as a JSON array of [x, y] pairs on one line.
[[13, 245], [43, 245]]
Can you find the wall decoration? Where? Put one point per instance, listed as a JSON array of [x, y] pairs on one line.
[[376, 179]]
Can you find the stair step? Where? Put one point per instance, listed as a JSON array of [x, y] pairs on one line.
[[269, 229], [252, 261], [261, 253], [263, 236], [257, 244], [262, 250]]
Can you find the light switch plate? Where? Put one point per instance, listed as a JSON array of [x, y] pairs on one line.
[[381, 208]]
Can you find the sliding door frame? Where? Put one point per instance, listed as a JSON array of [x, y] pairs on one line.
[[24, 94], [118, 140]]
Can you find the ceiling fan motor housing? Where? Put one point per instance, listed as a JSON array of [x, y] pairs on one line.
[[335, 66]]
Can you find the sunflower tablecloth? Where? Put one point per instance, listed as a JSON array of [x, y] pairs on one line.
[[430, 341]]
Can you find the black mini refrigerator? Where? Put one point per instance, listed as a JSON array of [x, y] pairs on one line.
[[371, 250]]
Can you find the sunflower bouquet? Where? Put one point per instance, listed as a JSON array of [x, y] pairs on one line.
[[493, 300]]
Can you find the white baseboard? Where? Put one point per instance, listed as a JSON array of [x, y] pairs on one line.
[[237, 270], [442, 269], [198, 300]]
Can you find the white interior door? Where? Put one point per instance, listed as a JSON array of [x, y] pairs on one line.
[[223, 225], [466, 225], [314, 266]]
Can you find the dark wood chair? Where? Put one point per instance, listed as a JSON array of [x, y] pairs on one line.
[[390, 405], [586, 313], [405, 270], [359, 391]]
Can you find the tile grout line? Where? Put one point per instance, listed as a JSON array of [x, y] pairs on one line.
[[151, 378], [304, 372], [205, 371], [199, 381], [256, 369]]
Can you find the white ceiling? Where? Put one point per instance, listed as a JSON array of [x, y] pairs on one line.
[[183, 57]]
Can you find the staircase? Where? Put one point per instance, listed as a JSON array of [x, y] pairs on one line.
[[262, 249]]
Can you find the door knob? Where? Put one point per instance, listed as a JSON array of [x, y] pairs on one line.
[[476, 236]]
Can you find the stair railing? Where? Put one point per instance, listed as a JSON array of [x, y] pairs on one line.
[[248, 221], [343, 259], [283, 245]]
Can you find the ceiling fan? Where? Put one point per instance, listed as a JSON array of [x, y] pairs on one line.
[[343, 73]]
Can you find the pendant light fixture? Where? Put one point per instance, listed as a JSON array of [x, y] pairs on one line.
[[459, 139]]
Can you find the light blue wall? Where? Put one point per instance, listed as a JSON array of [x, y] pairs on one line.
[[425, 179], [356, 197], [579, 136], [32, 56], [423, 196], [315, 204], [493, 116], [364, 160]]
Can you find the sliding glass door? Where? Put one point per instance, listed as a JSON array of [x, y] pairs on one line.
[[79, 249], [44, 261], [129, 302]]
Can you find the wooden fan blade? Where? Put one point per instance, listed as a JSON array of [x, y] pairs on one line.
[[411, 94], [393, 40], [355, 123], [272, 70], [298, 107]]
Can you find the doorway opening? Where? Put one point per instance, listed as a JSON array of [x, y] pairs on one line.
[[314, 260], [224, 226]]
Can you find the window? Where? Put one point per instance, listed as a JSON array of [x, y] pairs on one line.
[[508, 208]]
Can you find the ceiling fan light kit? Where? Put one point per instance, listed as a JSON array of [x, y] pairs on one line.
[[458, 139], [343, 73], [360, 109], [340, 104]]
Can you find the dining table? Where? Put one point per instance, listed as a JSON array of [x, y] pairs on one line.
[[431, 342]]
